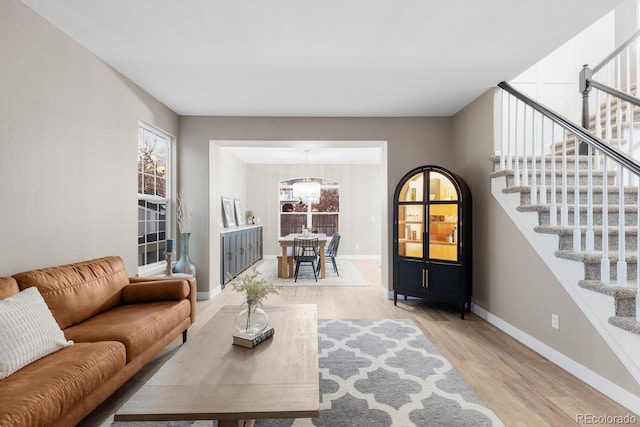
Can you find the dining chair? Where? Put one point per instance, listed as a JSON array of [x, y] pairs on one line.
[[305, 250], [331, 251]]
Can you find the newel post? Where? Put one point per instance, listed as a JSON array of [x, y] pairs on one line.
[[584, 87]]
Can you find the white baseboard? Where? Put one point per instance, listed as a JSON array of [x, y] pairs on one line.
[[202, 296], [613, 391], [360, 256]]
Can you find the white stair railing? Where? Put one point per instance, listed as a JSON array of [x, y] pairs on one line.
[[595, 164]]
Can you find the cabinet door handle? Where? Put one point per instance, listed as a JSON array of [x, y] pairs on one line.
[[425, 278]]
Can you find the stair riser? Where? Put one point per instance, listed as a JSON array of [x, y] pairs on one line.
[[631, 242], [582, 181], [625, 307], [630, 198], [583, 164], [630, 218], [592, 271]]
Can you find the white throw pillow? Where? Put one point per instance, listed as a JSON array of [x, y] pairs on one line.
[[28, 331]]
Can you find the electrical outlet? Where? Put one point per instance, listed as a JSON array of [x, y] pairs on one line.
[[357, 246], [555, 321]]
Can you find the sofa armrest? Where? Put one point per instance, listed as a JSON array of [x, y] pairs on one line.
[[147, 289]]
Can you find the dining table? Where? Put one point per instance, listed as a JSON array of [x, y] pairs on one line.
[[287, 242]]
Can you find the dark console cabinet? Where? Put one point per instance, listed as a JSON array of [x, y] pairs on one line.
[[239, 249], [432, 237]]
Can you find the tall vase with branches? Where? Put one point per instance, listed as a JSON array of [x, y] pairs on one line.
[[183, 214]]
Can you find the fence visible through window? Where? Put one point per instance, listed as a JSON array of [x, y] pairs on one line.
[[321, 215]]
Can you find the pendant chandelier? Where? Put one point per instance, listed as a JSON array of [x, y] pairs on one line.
[[307, 189]]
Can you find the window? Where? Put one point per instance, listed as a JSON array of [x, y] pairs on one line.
[[320, 216], [154, 192]]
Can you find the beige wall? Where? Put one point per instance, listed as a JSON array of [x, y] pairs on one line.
[[411, 142], [510, 280], [68, 148]]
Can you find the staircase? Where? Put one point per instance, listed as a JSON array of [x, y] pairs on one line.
[[622, 292], [580, 213]]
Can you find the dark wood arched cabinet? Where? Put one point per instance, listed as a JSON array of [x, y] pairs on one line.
[[432, 237]]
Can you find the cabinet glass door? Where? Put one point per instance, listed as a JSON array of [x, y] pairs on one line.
[[443, 218], [413, 189], [441, 188], [443, 232], [410, 230]]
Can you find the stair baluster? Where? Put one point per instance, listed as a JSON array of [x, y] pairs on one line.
[[622, 260], [525, 170], [605, 263], [516, 177], [543, 164], [577, 235], [534, 181], [564, 208], [589, 236], [504, 142], [553, 209]]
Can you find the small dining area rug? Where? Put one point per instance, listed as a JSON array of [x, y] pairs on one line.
[[349, 274]]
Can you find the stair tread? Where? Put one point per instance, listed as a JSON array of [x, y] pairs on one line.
[[581, 157], [595, 256], [611, 189], [628, 290], [627, 323], [631, 230], [614, 207], [558, 172]]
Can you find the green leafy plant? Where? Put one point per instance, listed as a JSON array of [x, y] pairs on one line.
[[255, 289]]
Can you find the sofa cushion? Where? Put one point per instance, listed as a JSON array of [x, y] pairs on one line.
[[41, 392], [137, 326], [76, 292], [164, 290], [28, 331], [8, 287]]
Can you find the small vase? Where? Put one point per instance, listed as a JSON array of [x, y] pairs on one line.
[[252, 320], [184, 264]]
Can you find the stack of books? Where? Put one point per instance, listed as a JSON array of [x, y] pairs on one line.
[[250, 341]]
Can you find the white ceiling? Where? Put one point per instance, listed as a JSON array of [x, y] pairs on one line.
[[320, 57]]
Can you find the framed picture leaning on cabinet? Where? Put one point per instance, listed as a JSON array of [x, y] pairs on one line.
[[227, 212], [238, 208]]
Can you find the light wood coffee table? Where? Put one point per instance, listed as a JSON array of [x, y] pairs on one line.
[[211, 379]]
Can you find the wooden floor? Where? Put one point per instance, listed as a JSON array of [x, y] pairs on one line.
[[520, 386]]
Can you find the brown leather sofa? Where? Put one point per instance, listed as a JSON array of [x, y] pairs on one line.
[[117, 323]]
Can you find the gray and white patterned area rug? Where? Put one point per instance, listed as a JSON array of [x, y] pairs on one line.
[[349, 274], [381, 373]]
